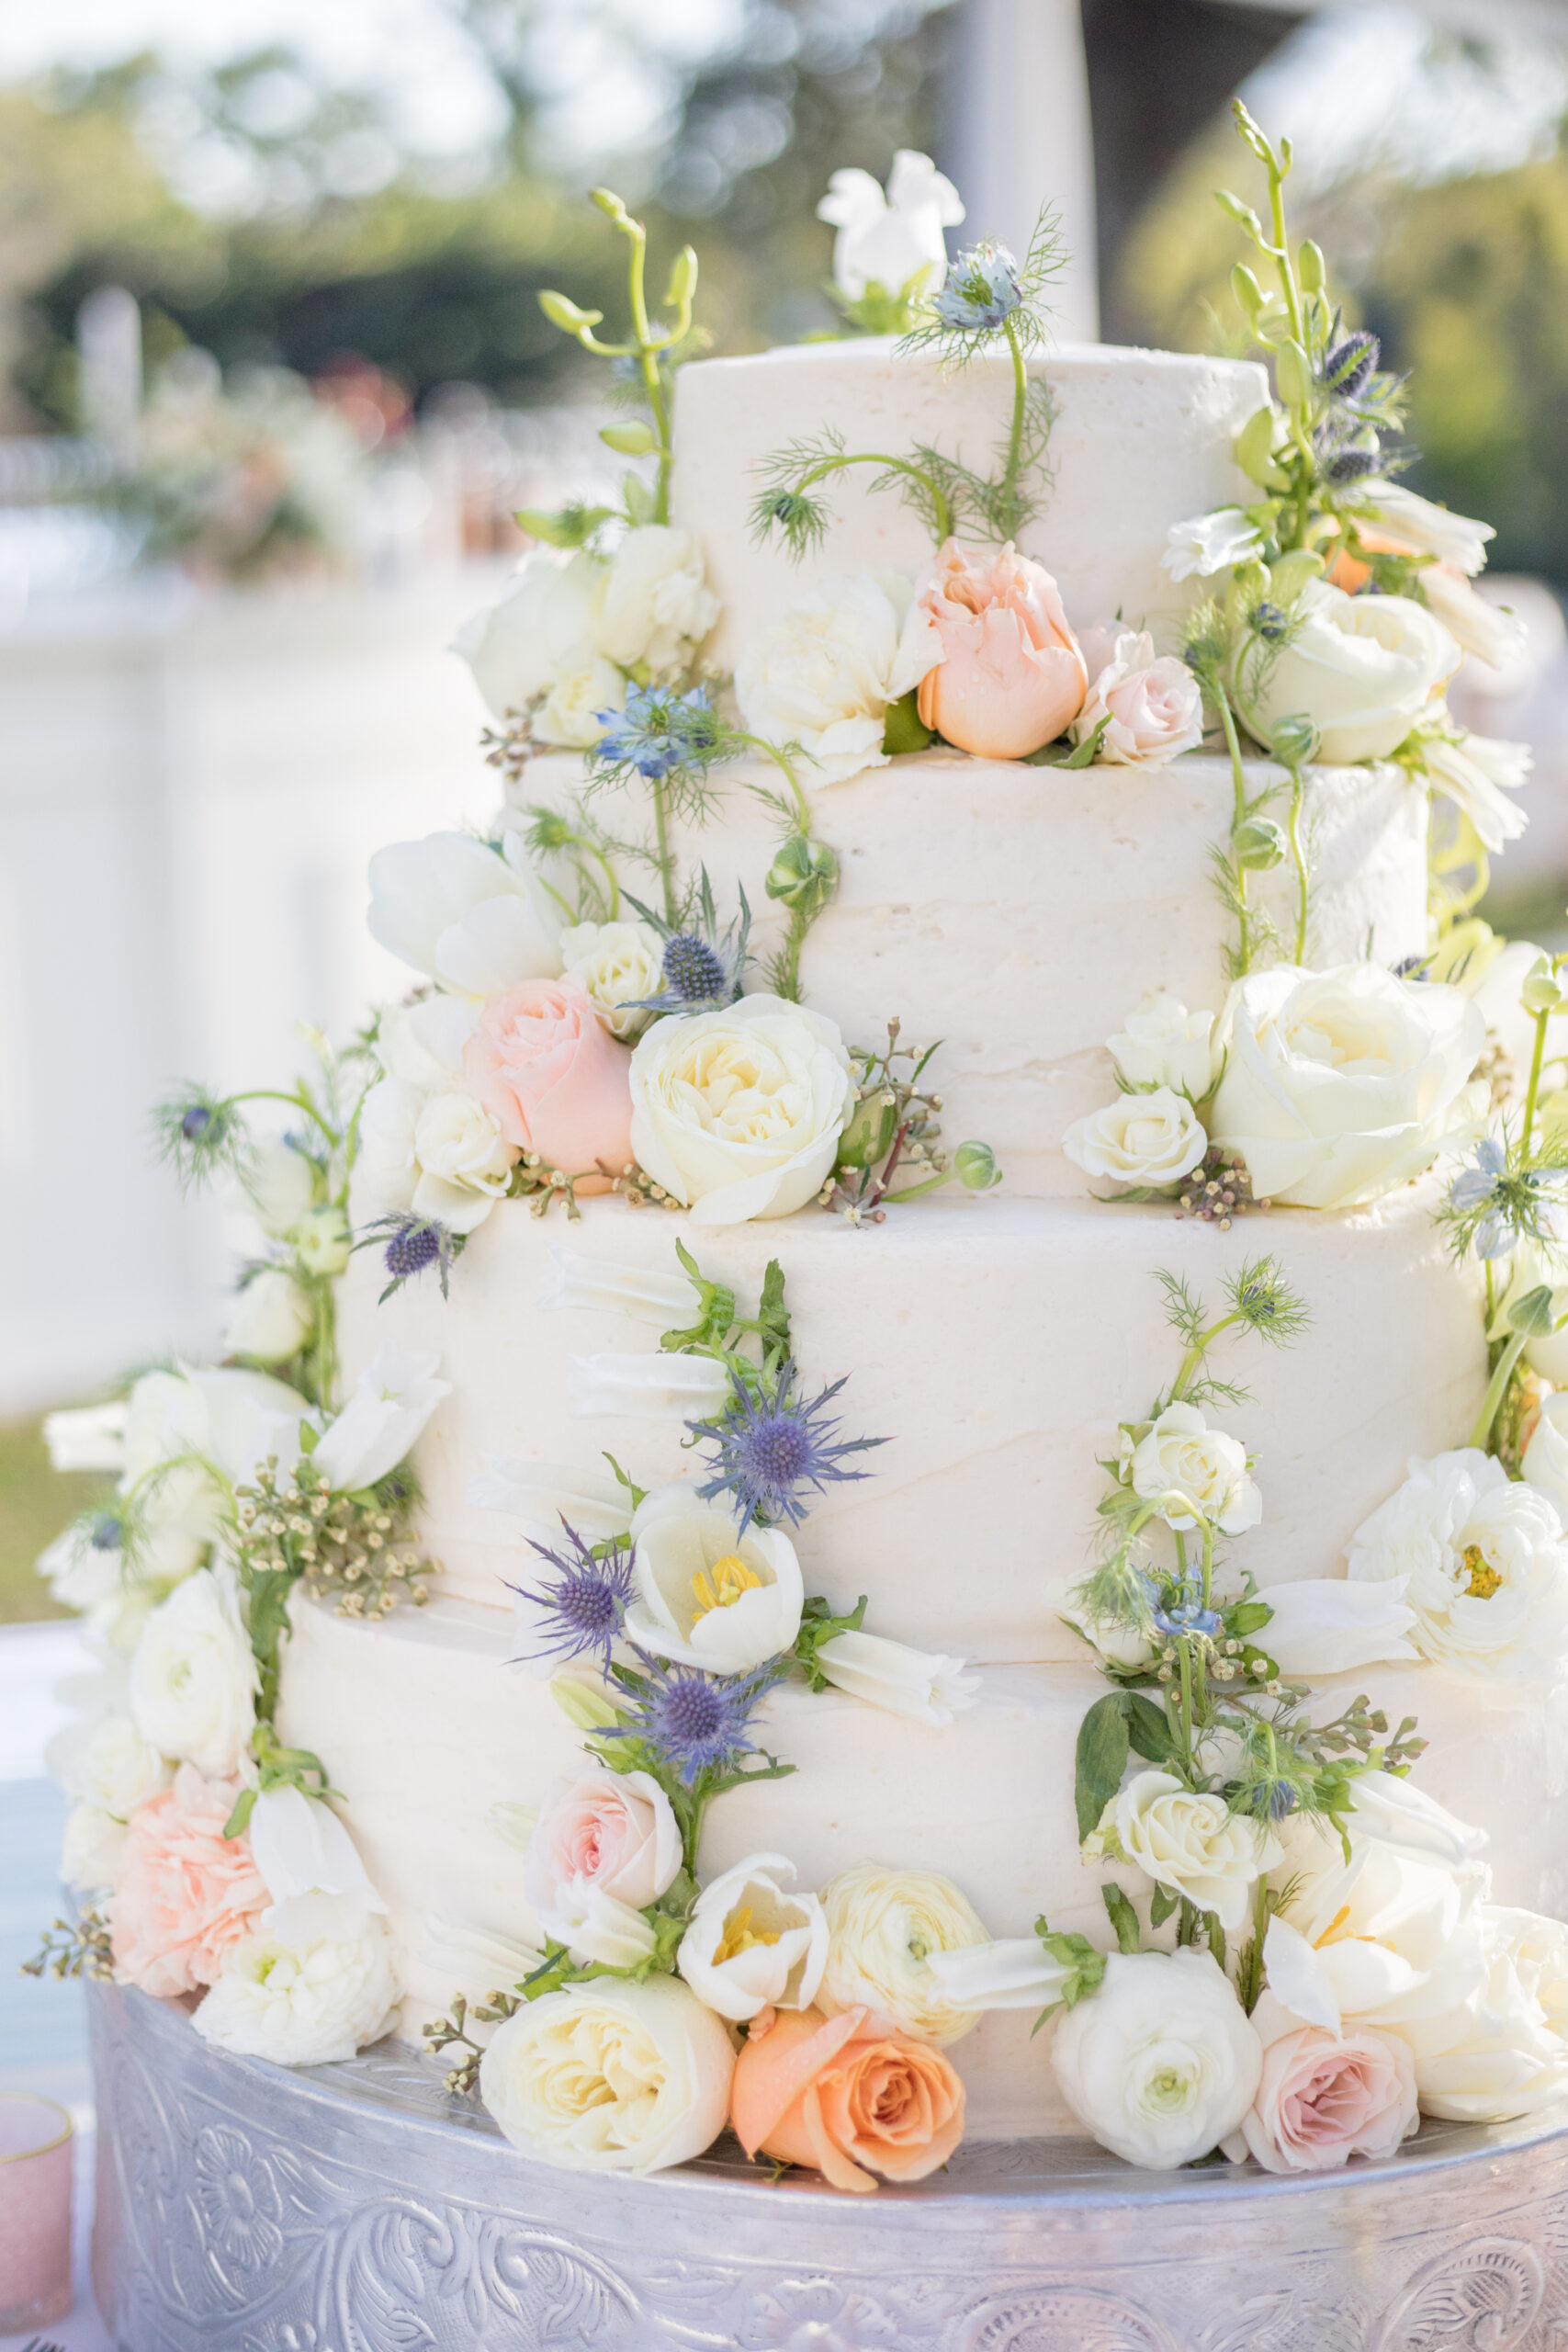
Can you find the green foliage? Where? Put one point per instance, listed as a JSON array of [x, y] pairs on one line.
[[1123, 1721]]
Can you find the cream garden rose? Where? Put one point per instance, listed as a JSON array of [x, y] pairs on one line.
[[619, 965], [1180, 1453], [1150, 1139], [1363, 668], [737, 1113], [1192, 1844], [883, 1926], [1161, 2064], [194, 1678], [824, 675], [611, 2075], [754, 1943], [706, 1595]]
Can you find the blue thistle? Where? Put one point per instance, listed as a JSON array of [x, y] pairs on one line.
[[696, 1722], [703, 965], [409, 1245], [660, 730], [771, 1447], [584, 1608], [981, 290], [1348, 367]]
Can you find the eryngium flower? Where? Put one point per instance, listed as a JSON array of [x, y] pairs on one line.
[[703, 965], [1349, 363], [660, 730], [413, 1243], [696, 1722], [982, 290], [772, 1449], [584, 1607]]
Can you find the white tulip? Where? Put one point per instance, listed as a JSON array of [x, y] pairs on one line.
[[1161, 2063], [1421, 527], [1191, 1844], [1163, 1045], [1477, 774], [516, 648], [753, 1943], [921, 1684], [619, 965], [888, 240], [194, 1676], [321, 1890], [271, 1318], [708, 1595], [611, 2075], [476, 920], [652, 606], [1209, 543], [884, 1928], [89, 1437], [542, 1494], [1329, 1625], [1363, 668], [823, 674], [1389, 1938], [1012, 1973], [1180, 1453], [281, 1186], [305, 2004], [1153, 1138], [392, 1401], [577, 1285], [662, 1387]]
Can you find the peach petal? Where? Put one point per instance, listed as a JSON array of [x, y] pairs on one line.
[[772, 2075]]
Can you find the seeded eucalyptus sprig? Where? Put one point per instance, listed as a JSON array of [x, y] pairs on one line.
[[78, 1947], [895, 1132]]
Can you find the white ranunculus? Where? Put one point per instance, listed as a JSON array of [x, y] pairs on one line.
[[1339, 1085], [1012, 1973], [1180, 1453], [476, 920], [883, 1926], [280, 1184], [753, 1943], [1388, 1938], [888, 239], [271, 1318], [515, 648], [923, 1685], [1151, 705], [706, 1595], [619, 965], [652, 604], [1420, 527], [671, 1387], [738, 1114], [1152, 1139], [1490, 631], [542, 1494], [1484, 1564], [602, 1285], [194, 1676], [321, 1890], [1163, 1045], [303, 2004], [1477, 774], [392, 1401], [1363, 668], [824, 674], [572, 715], [91, 1849], [1210, 543], [1396, 1813], [113, 1768], [1192, 1845], [1507, 2055], [611, 2076], [1161, 2063], [88, 1437], [1330, 1625]]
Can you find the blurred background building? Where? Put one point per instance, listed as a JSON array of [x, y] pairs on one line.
[[273, 379]]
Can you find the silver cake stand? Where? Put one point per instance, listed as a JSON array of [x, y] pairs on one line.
[[359, 2208]]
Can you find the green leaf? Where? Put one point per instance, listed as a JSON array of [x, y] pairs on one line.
[[819, 1624], [1083, 755], [1160, 1908], [1148, 1728], [1099, 1760], [903, 730], [773, 1316], [1246, 1617], [1123, 1918], [639, 502], [633, 439]]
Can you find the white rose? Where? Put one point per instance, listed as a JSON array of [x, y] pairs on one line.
[[429, 1146], [611, 2076], [1363, 668], [392, 1401], [1152, 1139], [572, 714], [1330, 1625], [88, 1437], [737, 1113], [1341, 1084], [652, 604], [1192, 1845], [888, 240], [883, 1926], [114, 1768], [1210, 543], [824, 675], [923, 1685], [1477, 774], [706, 1595], [515, 648], [1485, 1564], [321, 1890], [271, 1318], [303, 2005], [458, 1142], [477, 921], [752, 1943], [1180, 1454], [194, 1679], [1507, 2056], [280, 1183], [1151, 703], [1388, 1938], [91, 1849], [1163, 1045], [1420, 526], [619, 963], [1161, 2063]]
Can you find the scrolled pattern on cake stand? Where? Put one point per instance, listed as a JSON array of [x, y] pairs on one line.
[[358, 2208]]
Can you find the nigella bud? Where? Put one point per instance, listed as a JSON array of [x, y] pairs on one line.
[[1294, 740], [196, 1123], [804, 874], [1534, 1315], [1259, 845], [1348, 366], [975, 1165], [1269, 622], [790, 506]]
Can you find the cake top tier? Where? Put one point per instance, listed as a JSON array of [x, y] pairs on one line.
[[1140, 440]]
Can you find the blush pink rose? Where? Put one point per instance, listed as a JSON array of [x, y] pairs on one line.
[[1152, 705], [186, 1895], [611, 1831], [552, 1077], [1324, 2098], [1009, 676]]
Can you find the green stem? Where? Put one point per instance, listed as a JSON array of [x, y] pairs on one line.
[[1009, 501], [942, 512], [1292, 829], [789, 965], [1239, 782], [1184, 1660], [1537, 1052], [1498, 1388], [647, 349], [780, 760], [1197, 1351], [662, 856], [1208, 1562]]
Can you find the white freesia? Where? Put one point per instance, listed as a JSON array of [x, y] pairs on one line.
[[392, 1401], [1180, 1453], [474, 919], [1161, 2063], [542, 1494], [1363, 668], [303, 2004], [619, 963], [824, 674], [271, 1318], [705, 1594], [194, 1676], [1209, 543], [1388, 1938], [114, 1768], [1011, 1973], [91, 1849], [737, 1113], [651, 605], [923, 1685], [1151, 706], [280, 1185], [1396, 1813], [1484, 1563], [518, 646], [888, 240], [1421, 527], [1330, 1625], [321, 1890], [1152, 1139], [1339, 1085], [1163, 1045], [88, 1437], [882, 1928], [1490, 631], [753, 1943], [1191, 1844], [577, 1285], [662, 1387], [611, 2076], [597, 1929], [1507, 2056]]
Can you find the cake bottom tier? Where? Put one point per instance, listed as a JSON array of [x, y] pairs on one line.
[[424, 1728]]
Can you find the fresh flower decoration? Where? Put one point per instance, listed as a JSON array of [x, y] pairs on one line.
[[1161, 2064], [1323, 2097], [884, 1928], [1142, 708], [620, 968], [894, 1130], [1000, 673], [753, 1943], [1164, 1045], [700, 964], [187, 1893], [303, 2005], [833, 674], [1146, 1141], [889, 248], [846, 2095]]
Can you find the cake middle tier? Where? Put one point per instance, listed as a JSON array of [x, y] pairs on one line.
[[995, 1344]]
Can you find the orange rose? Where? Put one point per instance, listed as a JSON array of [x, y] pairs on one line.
[[1010, 676], [551, 1077], [845, 2092]]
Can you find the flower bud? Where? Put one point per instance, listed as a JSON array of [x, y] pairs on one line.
[[1542, 989], [869, 1135], [1534, 1313], [564, 313], [1254, 450], [610, 204], [975, 1165], [1311, 269], [323, 1241], [582, 1702], [633, 439], [1294, 740], [804, 874], [1243, 214], [1259, 845], [682, 280], [1247, 290], [1293, 372]]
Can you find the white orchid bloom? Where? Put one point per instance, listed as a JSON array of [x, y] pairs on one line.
[[888, 239], [391, 1403], [658, 1388], [319, 1888], [601, 1285], [476, 920], [708, 1595]]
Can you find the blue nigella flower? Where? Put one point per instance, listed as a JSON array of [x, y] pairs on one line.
[[660, 730], [696, 1722], [1513, 1204], [770, 1449], [1182, 1612], [585, 1605], [981, 290], [1270, 1800], [107, 1535], [413, 1243]]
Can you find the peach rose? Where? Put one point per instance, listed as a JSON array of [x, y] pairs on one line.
[[1009, 676], [845, 2093], [612, 1830], [1324, 2098], [186, 1895], [550, 1075]]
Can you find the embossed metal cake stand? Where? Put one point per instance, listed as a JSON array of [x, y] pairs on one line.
[[359, 2208]]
